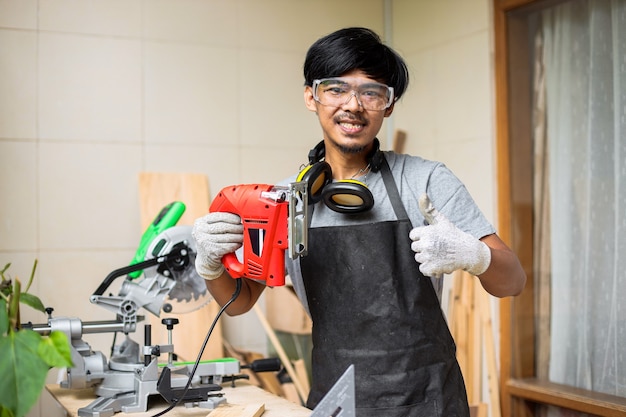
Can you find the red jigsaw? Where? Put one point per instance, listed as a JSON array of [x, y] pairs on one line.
[[264, 212]]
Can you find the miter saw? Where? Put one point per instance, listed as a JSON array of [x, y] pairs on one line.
[[162, 278], [167, 281]]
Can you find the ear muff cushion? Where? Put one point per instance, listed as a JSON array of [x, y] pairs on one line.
[[317, 176], [348, 196]]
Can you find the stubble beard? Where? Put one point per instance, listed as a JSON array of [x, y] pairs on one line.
[[350, 150]]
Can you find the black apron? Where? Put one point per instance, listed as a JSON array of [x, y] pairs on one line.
[[372, 307]]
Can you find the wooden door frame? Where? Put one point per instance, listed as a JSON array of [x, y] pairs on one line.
[[514, 363], [520, 389]]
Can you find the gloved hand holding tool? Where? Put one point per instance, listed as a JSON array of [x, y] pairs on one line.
[[442, 248], [216, 235]]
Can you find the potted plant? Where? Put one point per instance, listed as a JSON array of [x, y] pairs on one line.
[[25, 355]]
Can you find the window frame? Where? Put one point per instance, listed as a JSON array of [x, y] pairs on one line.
[[520, 389]]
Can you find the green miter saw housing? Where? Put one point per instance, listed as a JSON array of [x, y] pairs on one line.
[[167, 217]]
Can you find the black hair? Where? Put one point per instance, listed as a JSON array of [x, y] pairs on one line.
[[352, 49]]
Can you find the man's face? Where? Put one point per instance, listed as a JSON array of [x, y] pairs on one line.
[[348, 123]]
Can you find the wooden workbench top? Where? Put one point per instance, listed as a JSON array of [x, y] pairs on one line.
[[240, 401]]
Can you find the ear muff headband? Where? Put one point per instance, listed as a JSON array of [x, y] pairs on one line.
[[376, 157], [348, 196]]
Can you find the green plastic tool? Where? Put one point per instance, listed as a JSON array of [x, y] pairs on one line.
[[167, 217]]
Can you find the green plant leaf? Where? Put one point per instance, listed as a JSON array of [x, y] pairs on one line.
[[4, 318], [32, 276], [32, 301], [4, 412], [22, 369], [55, 350]]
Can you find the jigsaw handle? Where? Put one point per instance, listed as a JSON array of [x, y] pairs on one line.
[[232, 265], [269, 265], [265, 232]]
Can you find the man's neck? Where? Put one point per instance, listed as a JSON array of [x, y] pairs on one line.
[[346, 165]]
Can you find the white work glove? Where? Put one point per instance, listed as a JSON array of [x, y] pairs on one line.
[[216, 234], [442, 248]]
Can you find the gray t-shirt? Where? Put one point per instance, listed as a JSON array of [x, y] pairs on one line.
[[413, 176]]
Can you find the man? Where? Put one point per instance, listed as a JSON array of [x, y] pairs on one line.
[[373, 241]]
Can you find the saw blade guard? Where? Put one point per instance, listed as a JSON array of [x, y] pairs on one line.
[[188, 292]]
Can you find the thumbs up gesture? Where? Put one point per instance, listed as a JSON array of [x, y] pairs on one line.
[[442, 248]]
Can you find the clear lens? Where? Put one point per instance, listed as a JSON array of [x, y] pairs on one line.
[[338, 91]]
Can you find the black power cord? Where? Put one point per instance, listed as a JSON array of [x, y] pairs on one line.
[[206, 340]]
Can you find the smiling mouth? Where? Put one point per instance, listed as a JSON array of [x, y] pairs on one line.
[[351, 126]]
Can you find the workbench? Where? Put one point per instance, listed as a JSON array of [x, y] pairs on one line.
[[240, 401]]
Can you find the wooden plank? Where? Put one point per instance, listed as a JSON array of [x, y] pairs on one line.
[[268, 380], [399, 139], [285, 312], [281, 353], [490, 353], [229, 410], [291, 393], [474, 350], [242, 394], [271, 385], [578, 399], [460, 336], [472, 329], [302, 374], [459, 321], [478, 410], [157, 189]]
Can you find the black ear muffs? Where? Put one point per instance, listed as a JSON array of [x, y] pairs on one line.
[[317, 175], [345, 196], [348, 196]]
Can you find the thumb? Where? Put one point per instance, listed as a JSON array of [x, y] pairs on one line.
[[427, 209]]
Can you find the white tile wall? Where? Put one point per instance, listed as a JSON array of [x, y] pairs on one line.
[[191, 94], [18, 211], [18, 83], [221, 163], [95, 17], [451, 99], [89, 88], [448, 110], [211, 22], [430, 24], [302, 22], [84, 192], [272, 105], [20, 14]]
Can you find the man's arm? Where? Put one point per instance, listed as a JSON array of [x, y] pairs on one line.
[[505, 276], [442, 248], [223, 288], [218, 234]]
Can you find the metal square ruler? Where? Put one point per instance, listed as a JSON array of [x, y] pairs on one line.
[[340, 400]]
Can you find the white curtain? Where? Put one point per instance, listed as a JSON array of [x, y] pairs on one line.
[[585, 69]]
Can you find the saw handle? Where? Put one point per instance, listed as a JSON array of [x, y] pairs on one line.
[[232, 265], [269, 267], [171, 259], [265, 232]]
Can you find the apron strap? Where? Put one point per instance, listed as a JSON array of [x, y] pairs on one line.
[[392, 191]]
